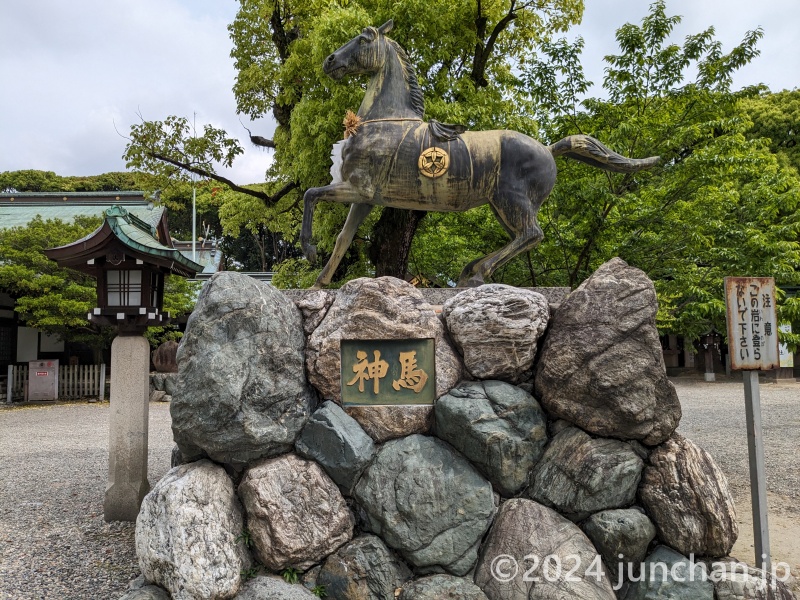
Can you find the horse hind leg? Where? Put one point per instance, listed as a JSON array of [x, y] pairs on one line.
[[517, 214]]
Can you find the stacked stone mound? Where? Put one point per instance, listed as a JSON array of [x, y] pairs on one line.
[[492, 493]]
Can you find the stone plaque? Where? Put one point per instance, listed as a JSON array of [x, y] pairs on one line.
[[388, 372]]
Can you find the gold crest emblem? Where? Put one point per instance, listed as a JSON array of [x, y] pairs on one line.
[[433, 162]]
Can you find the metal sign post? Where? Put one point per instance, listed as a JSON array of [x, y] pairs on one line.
[[753, 343], [758, 476]]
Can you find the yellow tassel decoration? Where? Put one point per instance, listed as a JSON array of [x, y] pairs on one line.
[[351, 123]]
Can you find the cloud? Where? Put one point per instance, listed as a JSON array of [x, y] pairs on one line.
[[82, 69]]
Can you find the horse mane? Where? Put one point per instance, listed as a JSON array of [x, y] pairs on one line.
[[417, 98]]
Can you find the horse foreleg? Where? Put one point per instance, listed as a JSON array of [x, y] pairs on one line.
[[356, 216], [342, 192]]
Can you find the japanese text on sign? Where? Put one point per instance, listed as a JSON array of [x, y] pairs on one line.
[[752, 323], [378, 372]]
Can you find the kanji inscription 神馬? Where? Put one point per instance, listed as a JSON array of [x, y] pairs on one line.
[[388, 372]]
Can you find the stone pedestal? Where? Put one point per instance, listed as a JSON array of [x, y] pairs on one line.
[[127, 428]]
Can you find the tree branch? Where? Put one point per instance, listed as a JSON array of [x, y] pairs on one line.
[[257, 140], [261, 141], [268, 200], [484, 51]]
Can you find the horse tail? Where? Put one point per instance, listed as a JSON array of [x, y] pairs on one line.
[[590, 151]]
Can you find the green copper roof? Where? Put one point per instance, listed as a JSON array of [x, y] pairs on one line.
[[139, 235]]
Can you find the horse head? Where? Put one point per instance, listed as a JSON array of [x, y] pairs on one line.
[[364, 54]]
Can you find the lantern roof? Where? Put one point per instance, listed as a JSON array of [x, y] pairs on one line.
[[124, 233]]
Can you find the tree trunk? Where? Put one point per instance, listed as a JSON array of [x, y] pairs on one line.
[[392, 235]]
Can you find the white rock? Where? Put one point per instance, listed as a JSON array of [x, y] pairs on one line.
[[186, 534], [496, 327]]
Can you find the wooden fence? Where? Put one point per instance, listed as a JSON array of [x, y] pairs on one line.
[[17, 383], [81, 381], [74, 381]]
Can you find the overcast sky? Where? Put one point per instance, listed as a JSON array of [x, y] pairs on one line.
[[76, 73]]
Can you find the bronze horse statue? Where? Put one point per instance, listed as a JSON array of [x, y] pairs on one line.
[[396, 159]]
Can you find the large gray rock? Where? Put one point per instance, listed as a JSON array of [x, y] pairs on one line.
[[364, 569], [621, 537], [442, 587], [295, 513], [186, 533], [667, 574], [427, 502], [601, 365], [337, 442], [525, 537], [268, 587], [382, 309], [579, 475], [687, 496], [738, 581], [242, 392], [497, 426], [496, 328]]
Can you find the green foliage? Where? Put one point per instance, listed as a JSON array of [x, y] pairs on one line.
[[176, 137], [776, 119], [30, 180], [245, 538], [248, 574], [319, 591], [290, 575], [295, 273], [445, 242]]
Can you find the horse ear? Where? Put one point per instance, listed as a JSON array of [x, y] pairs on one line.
[[386, 27]]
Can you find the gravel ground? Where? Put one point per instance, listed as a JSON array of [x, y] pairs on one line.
[[714, 418], [54, 543], [54, 461]]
